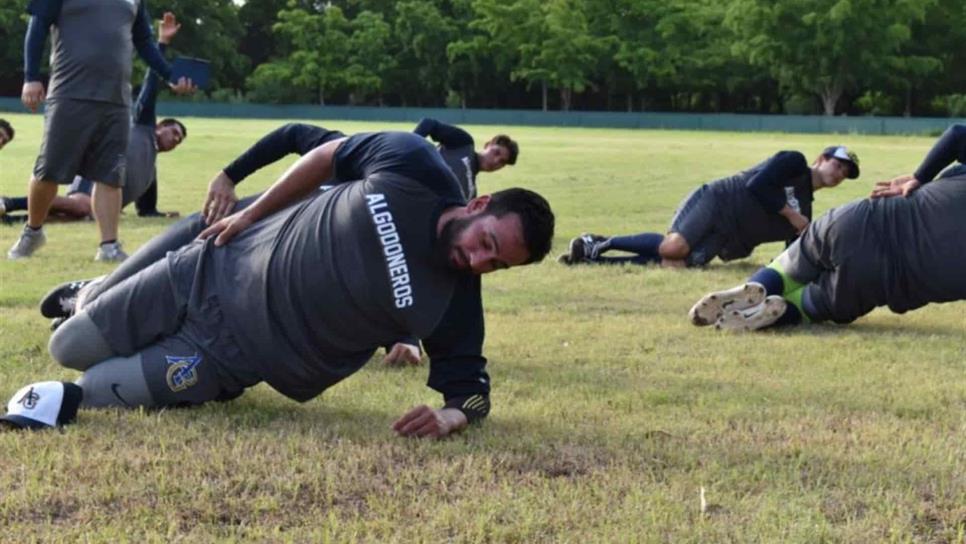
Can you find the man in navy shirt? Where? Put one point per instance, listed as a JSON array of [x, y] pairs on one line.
[[729, 217], [458, 150], [455, 146], [300, 286], [901, 248]]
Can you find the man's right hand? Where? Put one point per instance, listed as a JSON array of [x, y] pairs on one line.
[[221, 198], [227, 228], [32, 95], [798, 221]]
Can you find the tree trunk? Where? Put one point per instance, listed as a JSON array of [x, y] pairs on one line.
[[565, 96], [321, 97], [830, 97], [908, 110], [543, 89], [630, 102]]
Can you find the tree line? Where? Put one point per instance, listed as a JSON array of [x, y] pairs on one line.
[[880, 57]]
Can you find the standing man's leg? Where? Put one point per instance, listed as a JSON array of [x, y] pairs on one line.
[[106, 202], [106, 167]]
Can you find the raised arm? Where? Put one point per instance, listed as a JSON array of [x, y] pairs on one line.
[[143, 38], [43, 13], [443, 134], [296, 183], [457, 368], [287, 139], [950, 147]]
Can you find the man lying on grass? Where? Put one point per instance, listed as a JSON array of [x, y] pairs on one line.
[[904, 247], [298, 288], [221, 200]]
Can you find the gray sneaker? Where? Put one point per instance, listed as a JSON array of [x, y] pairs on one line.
[[110, 253], [30, 241]]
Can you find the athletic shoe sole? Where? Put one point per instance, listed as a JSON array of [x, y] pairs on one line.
[[712, 306], [752, 319]]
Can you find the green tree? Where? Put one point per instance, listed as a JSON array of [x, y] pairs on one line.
[[369, 60], [825, 47], [319, 45], [421, 32], [210, 29]]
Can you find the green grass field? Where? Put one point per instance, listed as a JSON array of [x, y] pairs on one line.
[[611, 412]]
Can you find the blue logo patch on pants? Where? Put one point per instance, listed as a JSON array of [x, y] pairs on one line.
[[182, 371]]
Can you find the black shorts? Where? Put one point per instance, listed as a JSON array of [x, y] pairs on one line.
[[695, 220]]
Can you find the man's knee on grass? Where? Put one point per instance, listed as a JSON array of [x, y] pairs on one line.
[[674, 247], [78, 343]]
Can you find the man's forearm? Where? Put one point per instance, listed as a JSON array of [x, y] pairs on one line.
[[296, 183], [33, 48], [950, 147]]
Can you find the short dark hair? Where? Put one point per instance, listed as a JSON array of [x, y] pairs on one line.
[[5, 126], [535, 215], [509, 144], [169, 121]]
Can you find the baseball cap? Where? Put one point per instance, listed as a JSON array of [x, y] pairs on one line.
[[843, 154], [44, 404]]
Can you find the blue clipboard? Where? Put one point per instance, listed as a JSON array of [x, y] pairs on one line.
[[197, 70]]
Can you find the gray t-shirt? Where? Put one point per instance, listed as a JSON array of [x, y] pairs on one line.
[[91, 50], [923, 236], [311, 291], [141, 157]]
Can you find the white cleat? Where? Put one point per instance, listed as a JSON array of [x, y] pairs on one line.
[[712, 306], [754, 318]]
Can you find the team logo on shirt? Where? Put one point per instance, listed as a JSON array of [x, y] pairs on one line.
[[792, 201], [470, 183], [182, 371], [392, 250]]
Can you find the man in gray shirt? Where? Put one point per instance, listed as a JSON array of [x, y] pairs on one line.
[[148, 137], [86, 121], [311, 283], [901, 248]]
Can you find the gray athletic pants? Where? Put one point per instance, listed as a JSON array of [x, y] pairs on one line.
[[842, 263], [154, 333]]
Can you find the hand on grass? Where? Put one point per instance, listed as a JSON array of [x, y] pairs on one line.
[[403, 354], [423, 421]]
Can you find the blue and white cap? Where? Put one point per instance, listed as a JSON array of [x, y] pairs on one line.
[[843, 154], [44, 404]]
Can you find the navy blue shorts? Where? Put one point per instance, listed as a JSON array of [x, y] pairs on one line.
[[695, 221]]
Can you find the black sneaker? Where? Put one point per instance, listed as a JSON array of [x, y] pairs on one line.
[[593, 243], [62, 300]]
